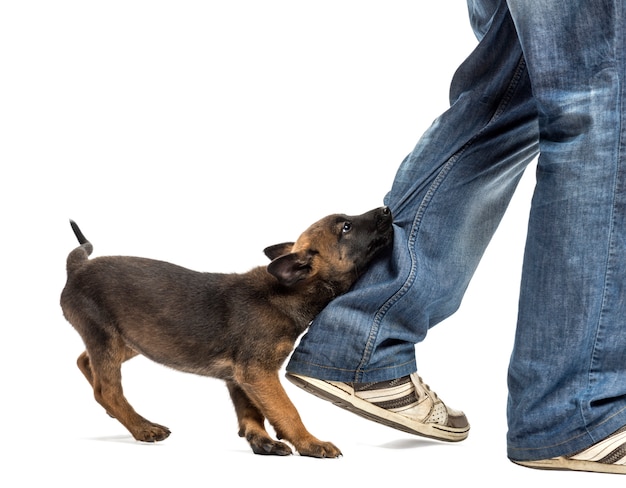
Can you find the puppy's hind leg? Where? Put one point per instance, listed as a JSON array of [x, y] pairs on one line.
[[252, 424], [84, 365], [102, 366]]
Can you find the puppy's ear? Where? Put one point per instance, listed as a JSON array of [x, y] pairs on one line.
[[277, 250], [290, 268]]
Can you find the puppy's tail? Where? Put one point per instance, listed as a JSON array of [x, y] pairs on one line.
[[81, 253]]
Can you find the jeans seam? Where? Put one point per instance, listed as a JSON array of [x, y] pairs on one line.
[[443, 173], [611, 244]]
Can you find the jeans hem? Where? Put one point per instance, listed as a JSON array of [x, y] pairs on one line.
[[330, 373], [572, 445]]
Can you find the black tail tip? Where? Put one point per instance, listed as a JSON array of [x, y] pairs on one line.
[[78, 233]]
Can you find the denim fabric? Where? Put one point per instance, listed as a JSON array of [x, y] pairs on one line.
[[546, 78]]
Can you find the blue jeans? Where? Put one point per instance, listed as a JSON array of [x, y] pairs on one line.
[[547, 78]]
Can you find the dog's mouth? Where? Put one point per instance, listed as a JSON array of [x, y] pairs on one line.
[[382, 243], [384, 226], [383, 234], [376, 247]]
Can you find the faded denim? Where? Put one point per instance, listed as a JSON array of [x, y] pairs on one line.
[[547, 78]]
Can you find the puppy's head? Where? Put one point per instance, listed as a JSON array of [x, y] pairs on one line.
[[336, 249]]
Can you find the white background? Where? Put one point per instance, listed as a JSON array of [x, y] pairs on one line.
[[200, 132]]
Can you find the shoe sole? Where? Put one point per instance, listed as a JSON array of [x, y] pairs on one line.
[[566, 464], [344, 399]]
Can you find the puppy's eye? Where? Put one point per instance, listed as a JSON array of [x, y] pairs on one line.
[[347, 227]]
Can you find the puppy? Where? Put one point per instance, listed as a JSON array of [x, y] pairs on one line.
[[237, 327]]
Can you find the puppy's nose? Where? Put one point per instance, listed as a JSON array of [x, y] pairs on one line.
[[385, 213], [384, 218]]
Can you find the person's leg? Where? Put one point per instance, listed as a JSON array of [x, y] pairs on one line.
[[567, 375], [447, 199]]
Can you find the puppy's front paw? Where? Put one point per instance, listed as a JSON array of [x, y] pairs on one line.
[[151, 433], [320, 450], [267, 446]]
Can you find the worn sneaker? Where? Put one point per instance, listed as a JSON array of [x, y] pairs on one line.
[[406, 404], [605, 456]]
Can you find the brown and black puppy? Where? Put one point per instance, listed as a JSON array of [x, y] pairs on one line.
[[237, 327]]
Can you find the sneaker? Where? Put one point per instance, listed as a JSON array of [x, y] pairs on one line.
[[605, 456], [406, 404]]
